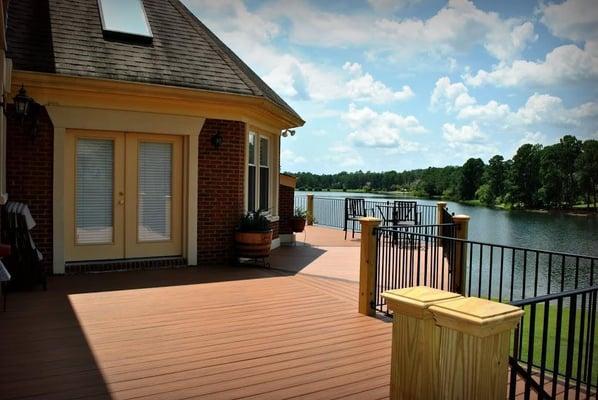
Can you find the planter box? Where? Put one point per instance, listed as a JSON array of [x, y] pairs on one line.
[[297, 224], [253, 244]]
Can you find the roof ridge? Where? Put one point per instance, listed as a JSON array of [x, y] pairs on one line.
[[216, 44]]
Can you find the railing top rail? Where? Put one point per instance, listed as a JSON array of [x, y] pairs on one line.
[[506, 246], [553, 296], [403, 227]]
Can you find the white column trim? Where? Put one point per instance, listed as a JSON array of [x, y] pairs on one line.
[[192, 192], [58, 196]]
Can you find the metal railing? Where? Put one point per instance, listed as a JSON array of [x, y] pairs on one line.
[[415, 255], [555, 348], [330, 211], [496, 272]]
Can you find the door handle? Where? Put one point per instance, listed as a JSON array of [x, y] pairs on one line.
[[121, 202]]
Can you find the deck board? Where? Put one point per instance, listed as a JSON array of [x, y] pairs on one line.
[[192, 333]]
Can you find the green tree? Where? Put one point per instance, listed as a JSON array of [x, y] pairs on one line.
[[587, 167], [471, 178], [495, 178], [525, 176]]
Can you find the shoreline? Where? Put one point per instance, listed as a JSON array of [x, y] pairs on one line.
[[574, 211]]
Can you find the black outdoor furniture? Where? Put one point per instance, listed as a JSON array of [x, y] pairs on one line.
[[24, 262], [405, 212], [354, 209]]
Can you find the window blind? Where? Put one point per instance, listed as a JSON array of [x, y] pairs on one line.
[[251, 174], [155, 191], [94, 191]]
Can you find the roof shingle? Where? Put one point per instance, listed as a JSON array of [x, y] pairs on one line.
[[65, 37]]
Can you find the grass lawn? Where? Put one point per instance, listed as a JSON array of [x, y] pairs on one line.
[[551, 339]]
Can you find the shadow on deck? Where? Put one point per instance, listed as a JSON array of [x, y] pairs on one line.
[[209, 332]]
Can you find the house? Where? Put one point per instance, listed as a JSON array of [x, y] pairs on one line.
[[146, 137]]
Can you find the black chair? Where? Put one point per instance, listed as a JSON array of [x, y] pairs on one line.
[[405, 213], [23, 264], [354, 209]]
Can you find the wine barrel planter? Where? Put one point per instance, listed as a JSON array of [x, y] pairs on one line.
[[253, 244], [297, 224]]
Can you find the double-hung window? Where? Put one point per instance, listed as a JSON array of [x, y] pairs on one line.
[[258, 172]]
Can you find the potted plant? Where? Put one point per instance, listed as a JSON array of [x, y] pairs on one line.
[[298, 220], [253, 237]]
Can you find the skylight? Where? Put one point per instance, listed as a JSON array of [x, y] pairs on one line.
[[124, 19]]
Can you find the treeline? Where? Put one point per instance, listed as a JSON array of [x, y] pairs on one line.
[[557, 176]]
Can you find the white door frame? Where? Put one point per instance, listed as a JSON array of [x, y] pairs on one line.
[[65, 117]]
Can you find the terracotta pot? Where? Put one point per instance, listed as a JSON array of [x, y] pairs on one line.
[[297, 224], [253, 244]]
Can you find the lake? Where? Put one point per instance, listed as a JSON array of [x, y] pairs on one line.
[[552, 231]]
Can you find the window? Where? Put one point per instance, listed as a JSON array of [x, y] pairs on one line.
[[264, 174], [124, 19], [155, 192], [251, 184], [94, 191], [258, 173]]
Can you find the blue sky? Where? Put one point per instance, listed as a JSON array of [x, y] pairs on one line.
[[406, 84]]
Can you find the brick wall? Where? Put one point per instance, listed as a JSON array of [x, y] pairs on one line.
[[275, 226], [220, 190], [286, 204], [29, 170]]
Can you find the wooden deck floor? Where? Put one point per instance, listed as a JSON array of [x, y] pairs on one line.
[[180, 334], [210, 332]]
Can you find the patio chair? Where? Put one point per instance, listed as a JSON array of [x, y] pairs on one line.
[[354, 209], [405, 212]]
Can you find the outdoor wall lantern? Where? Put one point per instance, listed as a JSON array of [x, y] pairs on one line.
[[216, 140], [288, 132], [26, 109]]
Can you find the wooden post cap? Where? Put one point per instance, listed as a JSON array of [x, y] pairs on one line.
[[441, 204], [370, 220], [461, 218], [475, 316], [414, 301]]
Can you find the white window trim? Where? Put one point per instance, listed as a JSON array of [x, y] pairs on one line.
[[272, 198]]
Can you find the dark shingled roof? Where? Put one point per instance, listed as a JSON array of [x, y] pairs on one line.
[[65, 37]]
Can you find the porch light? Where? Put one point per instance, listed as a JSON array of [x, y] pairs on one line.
[[22, 103], [27, 110], [216, 140], [288, 132]]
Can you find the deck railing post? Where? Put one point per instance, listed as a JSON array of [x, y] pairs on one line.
[[414, 366], [367, 265], [474, 347], [459, 269], [440, 206], [310, 209], [446, 346]]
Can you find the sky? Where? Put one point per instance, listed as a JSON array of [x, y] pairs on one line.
[[404, 84]]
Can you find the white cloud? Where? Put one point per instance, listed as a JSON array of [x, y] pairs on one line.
[[344, 156], [386, 129], [363, 87], [487, 112], [457, 26], [566, 63], [573, 19], [464, 134], [289, 158], [451, 96]]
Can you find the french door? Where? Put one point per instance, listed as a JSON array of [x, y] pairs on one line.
[[123, 195]]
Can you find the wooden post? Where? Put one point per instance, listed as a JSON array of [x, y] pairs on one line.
[[474, 348], [440, 206], [367, 265], [459, 269], [310, 209], [415, 342]]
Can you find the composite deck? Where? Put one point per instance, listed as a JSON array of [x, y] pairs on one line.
[[218, 332]]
